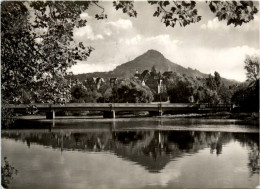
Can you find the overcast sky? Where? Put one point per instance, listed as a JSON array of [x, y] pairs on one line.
[[208, 46]]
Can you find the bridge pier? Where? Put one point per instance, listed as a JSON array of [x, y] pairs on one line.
[[155, 113], [160, 112], [109, 114], [50, 115]]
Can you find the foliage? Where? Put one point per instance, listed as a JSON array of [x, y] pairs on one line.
[[92, 96], [184, 88], [185, 12], [18, 51], [7, 116], [126, 6], [161, 97], [206, 95], [252, 64], [38, 47], [131, 92], [153, 71], [78, 93], [54, 89], [181, 92], [225, 94], [211, 82], [247, 97], [214, 91], [105, 92], [182, 12], [217, 79], [81, 94], [7, 172], [235, 12]]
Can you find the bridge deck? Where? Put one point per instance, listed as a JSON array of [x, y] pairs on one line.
[[105, 107]]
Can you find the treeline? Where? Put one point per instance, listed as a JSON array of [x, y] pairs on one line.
[[151, 85], [211, 90], [128, 91], [174, 88]]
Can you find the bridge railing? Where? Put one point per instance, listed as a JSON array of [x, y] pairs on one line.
[[119, 107], [216, 106]]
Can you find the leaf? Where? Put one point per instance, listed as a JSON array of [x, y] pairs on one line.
[[173, 9], [229, 22], [165, 3], [212, 7], [167, 23], [247, 3], [193, 4], [185, 23], [156, 14], [152, 2]]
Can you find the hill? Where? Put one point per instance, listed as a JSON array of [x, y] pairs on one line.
[[145, 62]]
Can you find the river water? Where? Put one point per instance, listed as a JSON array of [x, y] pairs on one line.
[[133, 153]]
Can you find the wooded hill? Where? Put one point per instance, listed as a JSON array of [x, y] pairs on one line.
[[145, 62]]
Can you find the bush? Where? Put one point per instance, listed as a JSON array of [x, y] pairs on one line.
[[7, 117], [7, 172], [247, 97]]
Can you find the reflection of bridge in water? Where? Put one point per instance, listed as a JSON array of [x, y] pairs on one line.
[[109, 109]]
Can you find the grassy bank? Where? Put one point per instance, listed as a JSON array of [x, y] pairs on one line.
[[251, 118]]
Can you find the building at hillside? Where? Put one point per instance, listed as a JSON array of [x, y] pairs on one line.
[[94, 82], [153, 79]]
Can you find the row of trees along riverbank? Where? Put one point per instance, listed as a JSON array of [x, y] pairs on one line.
[[175, 88]]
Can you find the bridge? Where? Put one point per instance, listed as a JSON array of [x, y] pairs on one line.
[[109, 109]]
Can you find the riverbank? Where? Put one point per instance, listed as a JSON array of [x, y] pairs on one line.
[[251, 118], [244, 118]]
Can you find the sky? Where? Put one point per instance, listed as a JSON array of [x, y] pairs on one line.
[[208, 46]]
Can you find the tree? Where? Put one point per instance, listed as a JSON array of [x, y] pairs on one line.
[[78, 93], [247, 95], [81, 94], [181, 92], [217, 79], [224, 94], [18, 54], [252, 67], [131, 92], [153, 71], [105, 91], [106, 96], [38, 47], [92, 96], [211, 82]]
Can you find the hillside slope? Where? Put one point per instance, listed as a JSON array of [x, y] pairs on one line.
[[145, 62]]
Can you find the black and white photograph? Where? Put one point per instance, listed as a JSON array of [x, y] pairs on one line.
[[129, 94]]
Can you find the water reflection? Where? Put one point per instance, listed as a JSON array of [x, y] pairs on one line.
[[152, 149]]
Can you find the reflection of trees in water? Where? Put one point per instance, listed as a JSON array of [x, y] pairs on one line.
[[253, 157], [188, 141], [152, 149], [250, 141]]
